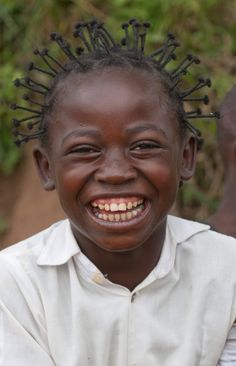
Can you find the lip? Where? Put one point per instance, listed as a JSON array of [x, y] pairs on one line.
[[121, 225]]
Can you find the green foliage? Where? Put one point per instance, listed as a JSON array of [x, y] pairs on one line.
[[9, 153], [3, 226], [206, 27]]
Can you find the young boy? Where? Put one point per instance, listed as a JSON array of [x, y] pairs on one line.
[[224, 219], [119, 282]]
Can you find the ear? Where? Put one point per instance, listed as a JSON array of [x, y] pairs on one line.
[[188, 158], [43, 167]]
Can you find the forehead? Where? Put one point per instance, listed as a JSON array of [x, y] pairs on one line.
[[115, 93], [138, 85]]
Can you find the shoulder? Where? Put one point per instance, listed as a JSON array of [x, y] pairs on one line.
[[184, 230], [201, 246], [21, 258], [21, 276], [31, 246]]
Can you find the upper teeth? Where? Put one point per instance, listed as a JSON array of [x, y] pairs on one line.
[[122, 206]]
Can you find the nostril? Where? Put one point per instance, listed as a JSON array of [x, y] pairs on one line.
[[115, 167], [115, 175]]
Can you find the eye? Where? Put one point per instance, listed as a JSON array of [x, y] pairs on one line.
[[144, 145], [145, 149], [85, 150]]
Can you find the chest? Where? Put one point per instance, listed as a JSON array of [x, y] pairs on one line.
[[174, 321]]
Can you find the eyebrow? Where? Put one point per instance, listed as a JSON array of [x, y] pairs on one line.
[[80, 133], [143, 128], [130, 131]]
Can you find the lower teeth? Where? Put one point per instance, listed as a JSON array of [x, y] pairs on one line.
[[118, 217]]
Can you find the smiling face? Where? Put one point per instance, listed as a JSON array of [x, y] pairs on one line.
[[116, 158]]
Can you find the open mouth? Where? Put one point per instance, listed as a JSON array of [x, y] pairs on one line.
[[118, 209]]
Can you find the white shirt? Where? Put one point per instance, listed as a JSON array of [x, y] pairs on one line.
[[57, 309]]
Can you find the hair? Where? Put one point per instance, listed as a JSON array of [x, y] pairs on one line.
[[99, 50]]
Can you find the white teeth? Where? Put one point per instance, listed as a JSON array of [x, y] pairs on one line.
[[111, 217], [122, 206], [123, 216], [129, 215], [105, 217], [107, 207], [114, 207], [117, 217]]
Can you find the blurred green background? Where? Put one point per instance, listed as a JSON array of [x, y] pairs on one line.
[[204, 27]]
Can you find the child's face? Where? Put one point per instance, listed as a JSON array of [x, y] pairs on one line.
[[116, 158]]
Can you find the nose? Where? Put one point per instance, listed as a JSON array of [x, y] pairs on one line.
[[115, 169]]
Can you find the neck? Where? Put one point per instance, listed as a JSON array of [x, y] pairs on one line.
[[128, 268]]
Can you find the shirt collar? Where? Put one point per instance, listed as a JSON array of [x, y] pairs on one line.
[[59, 243], [182, 230], [177, 231]]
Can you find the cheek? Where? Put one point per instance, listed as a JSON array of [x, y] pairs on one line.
[[167, 181], [162, 175], [70, 179]]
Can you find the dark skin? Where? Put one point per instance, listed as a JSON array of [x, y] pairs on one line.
[[113, 137], [224, 219]]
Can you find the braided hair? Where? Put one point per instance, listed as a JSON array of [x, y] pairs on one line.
[[97, 50]]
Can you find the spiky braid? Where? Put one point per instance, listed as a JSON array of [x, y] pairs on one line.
[[99, 49]]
